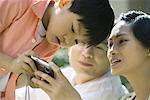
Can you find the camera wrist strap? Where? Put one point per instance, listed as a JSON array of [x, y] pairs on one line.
[[27, 89]]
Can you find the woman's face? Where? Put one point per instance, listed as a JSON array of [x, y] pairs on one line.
[[65, 29], [91, 61], [125, 53]]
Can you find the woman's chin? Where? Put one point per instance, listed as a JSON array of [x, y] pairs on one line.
[[115, 72]]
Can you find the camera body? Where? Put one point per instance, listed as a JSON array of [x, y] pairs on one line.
[[43, 66]]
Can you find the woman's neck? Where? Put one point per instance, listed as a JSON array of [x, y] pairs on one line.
[[140, 82]]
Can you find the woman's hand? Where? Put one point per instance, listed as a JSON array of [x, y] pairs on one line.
[[57, 88]]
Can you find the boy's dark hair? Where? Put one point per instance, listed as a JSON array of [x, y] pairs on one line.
[[97, 17], [140, 25]]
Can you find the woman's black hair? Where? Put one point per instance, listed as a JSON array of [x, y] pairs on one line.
[[97, 17], [140, 25]]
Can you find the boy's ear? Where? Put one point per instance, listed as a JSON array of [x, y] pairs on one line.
[[76, 26], [148, 52]]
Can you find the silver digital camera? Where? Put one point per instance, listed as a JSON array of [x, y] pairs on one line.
[[43, 66]]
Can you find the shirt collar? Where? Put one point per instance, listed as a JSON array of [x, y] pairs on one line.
[[39, 7]]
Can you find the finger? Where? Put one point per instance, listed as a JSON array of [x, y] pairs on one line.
[[56, 70], [26, 68], [42, 84], [33, 85], [30, 62], [45, 77], [37, 77], [27, 74]]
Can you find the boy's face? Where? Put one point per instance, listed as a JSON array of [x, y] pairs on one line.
[[65, 29]]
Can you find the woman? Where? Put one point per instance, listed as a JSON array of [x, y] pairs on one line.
[[129, 51]]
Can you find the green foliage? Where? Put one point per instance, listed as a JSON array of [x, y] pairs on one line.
[[123, 80], [61, 57], [126, 83]]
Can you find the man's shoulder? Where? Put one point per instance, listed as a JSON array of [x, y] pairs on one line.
[[68, 72]]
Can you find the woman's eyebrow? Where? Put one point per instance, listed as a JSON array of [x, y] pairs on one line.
[[116, 36]]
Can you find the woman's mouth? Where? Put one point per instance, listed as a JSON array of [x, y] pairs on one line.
[[114, 62]]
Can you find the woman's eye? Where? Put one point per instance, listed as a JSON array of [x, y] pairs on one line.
[[122, 41]]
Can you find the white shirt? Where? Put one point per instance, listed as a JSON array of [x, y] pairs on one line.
[[35, 94], [107, 87]]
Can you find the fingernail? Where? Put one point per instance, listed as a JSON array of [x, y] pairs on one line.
[[34, 80]]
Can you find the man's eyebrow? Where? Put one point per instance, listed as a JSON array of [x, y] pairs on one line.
[[117, 36]]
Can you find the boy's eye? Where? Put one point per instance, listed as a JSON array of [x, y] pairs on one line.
[[98, 47], [72, 29]]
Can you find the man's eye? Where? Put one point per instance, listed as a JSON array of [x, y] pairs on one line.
[[72, 29]]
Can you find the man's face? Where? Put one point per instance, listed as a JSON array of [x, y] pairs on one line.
[[90, 61], [65, 29]]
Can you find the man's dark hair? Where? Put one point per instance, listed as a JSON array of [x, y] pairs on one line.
[[140, 25], [97, 17]]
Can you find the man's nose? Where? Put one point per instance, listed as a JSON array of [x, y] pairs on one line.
[[87, 52]]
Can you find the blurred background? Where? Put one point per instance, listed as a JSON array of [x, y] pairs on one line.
[[120, 6]]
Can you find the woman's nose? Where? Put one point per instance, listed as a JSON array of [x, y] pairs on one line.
[[113, 50]]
